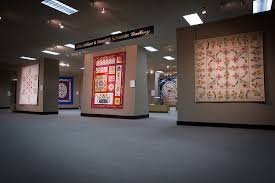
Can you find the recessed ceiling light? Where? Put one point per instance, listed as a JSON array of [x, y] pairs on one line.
[[151, 71], [169, 58], [116, 32], [167, 66], [70, 46], [27, 58], [203, 11], [61, 26], [160, 71], [150, 48], [261, 5], [50, 52], [82, 68], [60, 6], [193, 19]]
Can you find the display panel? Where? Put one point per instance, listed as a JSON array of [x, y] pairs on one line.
[[28, 94], [230, 69], [108, 80], [65, 90], [168, 90]]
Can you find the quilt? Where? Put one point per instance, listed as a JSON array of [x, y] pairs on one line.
[[168, 90], [108, 81], [65, 94], [230, 68], [28, 94]]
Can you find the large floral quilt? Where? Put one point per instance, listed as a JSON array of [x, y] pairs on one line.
[[230, 68]]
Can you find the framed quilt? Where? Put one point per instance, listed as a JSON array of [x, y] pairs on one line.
[[168, 90], [230, 68], [28, 94], [65, 94], [108, 81]]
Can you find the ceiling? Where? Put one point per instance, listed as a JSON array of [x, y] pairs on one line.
[[28, 27]]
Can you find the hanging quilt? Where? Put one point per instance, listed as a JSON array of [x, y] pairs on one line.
[[230, 69], [65, 90], [108, 81], [168, 90], [29, 85]]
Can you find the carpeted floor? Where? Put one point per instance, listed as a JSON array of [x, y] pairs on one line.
[[67, 148]]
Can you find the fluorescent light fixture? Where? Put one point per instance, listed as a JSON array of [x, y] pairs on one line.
[[70, 46], [50, 52], [261, 5], [82, 68], [150, 48], [169, 58], [64, 65], [27, 58], [14, 79], [116, 32], [59, 6], [193, 19], [160, 71]]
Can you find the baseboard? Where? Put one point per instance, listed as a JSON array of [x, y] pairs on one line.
[[72, 108], [158, 112], [115, 116], [40, 113], [4, 107], [227, 125]]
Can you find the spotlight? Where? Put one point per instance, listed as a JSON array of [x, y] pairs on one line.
[[61, 26], [203, 11]]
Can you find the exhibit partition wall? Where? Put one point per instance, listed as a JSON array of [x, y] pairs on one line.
[[5, 91], [69, 91], [226, 71], [37, 87], [115, 83]]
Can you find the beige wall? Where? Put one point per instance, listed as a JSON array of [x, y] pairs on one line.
[[135, 99], [76, 91], [48, 87], [246, 113]]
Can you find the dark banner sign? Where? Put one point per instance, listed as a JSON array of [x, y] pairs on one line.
[[116, 38]]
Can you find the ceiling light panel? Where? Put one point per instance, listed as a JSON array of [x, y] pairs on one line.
[[150, 48], [261, 5], [50, 52], [193, 19], [27, 58], [70, 46], [169, 58], [116, 32], [59, 6]]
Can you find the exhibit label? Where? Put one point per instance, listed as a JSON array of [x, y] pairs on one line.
[[137, 33]]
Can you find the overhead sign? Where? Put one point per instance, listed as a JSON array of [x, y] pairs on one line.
[[137, 33]]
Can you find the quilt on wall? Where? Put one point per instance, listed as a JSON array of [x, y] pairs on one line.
[[230, 69], [65, 95], [108, 81], [28, 94], [168, 90]]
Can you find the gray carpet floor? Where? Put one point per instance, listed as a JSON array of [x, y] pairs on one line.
[[67, 148]]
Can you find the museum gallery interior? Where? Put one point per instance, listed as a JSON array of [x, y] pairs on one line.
[[137, 91]]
